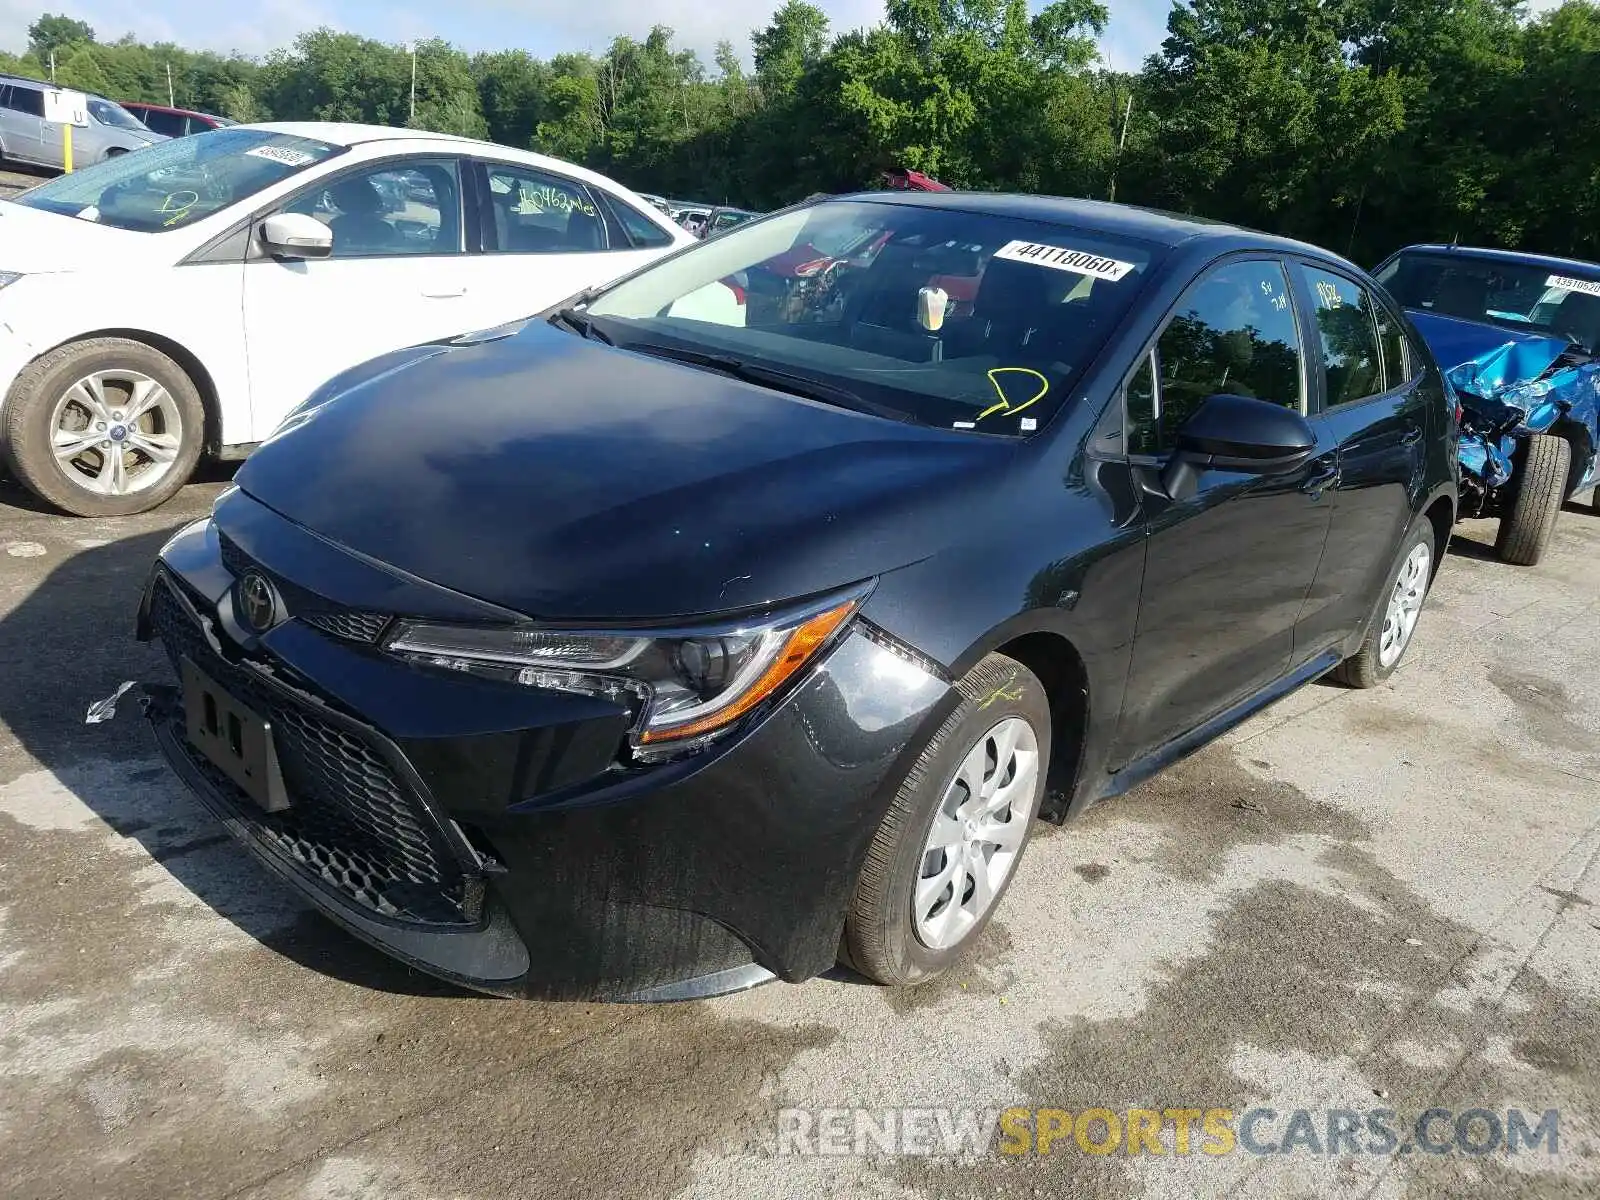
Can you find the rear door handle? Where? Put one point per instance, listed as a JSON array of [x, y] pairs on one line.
[[443, 293]]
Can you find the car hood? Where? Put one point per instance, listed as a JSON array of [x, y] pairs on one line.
[[34, 241], [561, 478], [1484, 359]]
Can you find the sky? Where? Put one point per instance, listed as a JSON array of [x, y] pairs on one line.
[[542, 27]]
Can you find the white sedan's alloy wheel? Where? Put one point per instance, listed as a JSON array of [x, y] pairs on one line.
[[115, 432]]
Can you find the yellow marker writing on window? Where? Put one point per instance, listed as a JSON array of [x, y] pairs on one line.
[[177, 206], [1005, 405]]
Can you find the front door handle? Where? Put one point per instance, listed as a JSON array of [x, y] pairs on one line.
[[443, 293], [1322, 477]]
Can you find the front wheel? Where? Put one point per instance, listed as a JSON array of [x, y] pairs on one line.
[[949, 845], [104, 427], [1400, 609], [1541, 486]]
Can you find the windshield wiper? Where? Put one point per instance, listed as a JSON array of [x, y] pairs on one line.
[[581, 324], [772, 377]]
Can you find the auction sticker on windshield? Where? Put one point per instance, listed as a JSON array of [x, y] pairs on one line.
[[1587, 286], [283, 154], [1063, 258]]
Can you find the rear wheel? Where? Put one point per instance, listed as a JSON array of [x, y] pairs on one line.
[[950, 843], [1400, 607], [104, 427], [1541, 486]]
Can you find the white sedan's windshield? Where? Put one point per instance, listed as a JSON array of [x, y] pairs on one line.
[[939, 316], [176, 183]]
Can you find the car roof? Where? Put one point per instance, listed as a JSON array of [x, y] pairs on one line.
[[349, 133], [1121, 220], [1488, 254], [167, 108]]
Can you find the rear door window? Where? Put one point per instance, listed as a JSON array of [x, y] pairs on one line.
[[25, 100], [537, 212], [170, 124], [1348, 332]]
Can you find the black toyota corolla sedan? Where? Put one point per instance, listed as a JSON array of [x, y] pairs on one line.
[[742, 616]]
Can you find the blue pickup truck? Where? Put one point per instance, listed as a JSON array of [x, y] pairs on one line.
[[1518, 336]]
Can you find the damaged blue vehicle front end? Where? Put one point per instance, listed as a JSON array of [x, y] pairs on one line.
[[1517, 336], [1511, 385]]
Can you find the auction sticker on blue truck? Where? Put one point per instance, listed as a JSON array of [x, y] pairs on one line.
[[1064, 258], [1587, 286]]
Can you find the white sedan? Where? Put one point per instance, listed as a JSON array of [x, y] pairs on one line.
[[179, 301]]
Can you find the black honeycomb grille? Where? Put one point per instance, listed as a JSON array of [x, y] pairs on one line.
[[351, 821], [349, 624], [353, 625]]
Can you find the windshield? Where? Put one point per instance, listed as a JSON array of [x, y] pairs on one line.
[[1528, 297], [945, 318], [177, 183], [108, 113]]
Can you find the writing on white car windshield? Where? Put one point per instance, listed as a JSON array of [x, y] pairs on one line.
[[177, 183]]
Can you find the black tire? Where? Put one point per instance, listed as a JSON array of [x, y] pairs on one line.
[[1541, 486], [25, 425], [1365, 668], [880, 937]]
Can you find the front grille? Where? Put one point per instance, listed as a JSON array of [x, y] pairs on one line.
[[353, 625], [352, 822], [349, 624]]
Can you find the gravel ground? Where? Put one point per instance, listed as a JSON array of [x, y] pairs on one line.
[[1358, 901], [12, 181]]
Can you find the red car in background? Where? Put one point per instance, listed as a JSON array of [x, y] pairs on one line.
[[809, 278], [175, 122]]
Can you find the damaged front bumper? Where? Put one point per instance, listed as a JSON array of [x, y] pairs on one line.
[[487, 833], [1512, 386]]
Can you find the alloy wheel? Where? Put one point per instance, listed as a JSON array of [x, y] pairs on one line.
[[1405, 605], [977, 832], [115, 432]]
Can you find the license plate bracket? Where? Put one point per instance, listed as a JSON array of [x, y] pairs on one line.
[[234, 738]]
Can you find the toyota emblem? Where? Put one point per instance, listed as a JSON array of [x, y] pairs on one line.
[[257, 603]]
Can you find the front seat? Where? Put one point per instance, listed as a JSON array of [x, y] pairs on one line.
[[360, 224], [1462, 295]]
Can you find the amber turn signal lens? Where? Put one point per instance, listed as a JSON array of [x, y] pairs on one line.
[[801, 644]]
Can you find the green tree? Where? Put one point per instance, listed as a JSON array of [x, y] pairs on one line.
[[513, 87], [790, 46], [55, 32], [447, 93], [82, 71], [1263, 119]]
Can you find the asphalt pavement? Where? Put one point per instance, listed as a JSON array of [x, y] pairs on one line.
[[1358, 902]]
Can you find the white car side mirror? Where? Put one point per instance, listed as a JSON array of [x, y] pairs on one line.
[[296, 235]]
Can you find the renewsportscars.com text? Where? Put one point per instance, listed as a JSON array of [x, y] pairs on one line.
[[1176, 1131]]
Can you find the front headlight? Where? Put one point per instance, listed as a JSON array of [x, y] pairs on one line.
[[683, 687]]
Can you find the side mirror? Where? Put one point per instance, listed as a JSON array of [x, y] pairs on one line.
[[296, 235], [1237, 433]]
